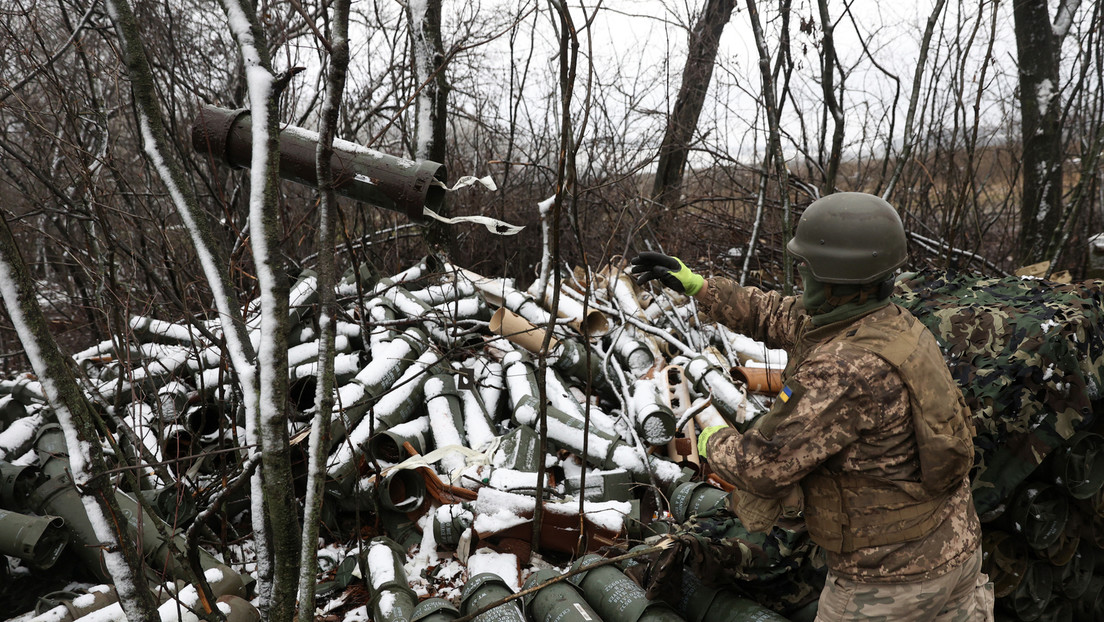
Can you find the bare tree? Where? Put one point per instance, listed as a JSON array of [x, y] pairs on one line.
[[278, 492], [82, 436], [775, 138], [683, 120], [327, 321], [1038, 47], [115, 216], [829, 67]]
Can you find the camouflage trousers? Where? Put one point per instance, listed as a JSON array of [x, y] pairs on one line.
[[962, 595]]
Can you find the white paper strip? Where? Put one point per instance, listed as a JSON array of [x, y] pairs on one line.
[[493, 225]]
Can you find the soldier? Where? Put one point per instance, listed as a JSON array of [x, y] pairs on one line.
[[869, 428]]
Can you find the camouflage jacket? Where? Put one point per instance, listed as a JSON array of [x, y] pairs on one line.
[[848, 411]]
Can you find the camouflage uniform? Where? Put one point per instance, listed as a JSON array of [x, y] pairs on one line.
[[959, 595], [846, 411]]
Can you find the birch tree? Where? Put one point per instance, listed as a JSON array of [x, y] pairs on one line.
[[428, 62], [74, 414], [327, 320]]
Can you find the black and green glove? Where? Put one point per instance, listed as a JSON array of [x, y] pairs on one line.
[[706, 547], [669, 270]]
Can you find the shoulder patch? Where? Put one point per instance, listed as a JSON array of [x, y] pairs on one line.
[[787, 399], [785, 393]]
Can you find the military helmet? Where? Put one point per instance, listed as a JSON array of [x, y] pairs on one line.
[[850, 237]]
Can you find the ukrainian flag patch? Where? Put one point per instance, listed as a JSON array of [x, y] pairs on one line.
[[785, 394]]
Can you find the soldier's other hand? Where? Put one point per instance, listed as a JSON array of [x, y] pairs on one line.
[[703, 439], [661, 575], [670, 271]]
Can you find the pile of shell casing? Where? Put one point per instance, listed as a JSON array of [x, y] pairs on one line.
[[466, 408], [438, 417]]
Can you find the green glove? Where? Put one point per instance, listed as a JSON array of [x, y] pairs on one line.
[[703, 438], [669, 270]]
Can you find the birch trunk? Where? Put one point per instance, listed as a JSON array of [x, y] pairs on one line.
[[327, 281], [1038, 52], [75, 416], [431, 102]]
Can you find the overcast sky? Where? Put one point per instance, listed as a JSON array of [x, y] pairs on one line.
[[641, 44], [638, 47]]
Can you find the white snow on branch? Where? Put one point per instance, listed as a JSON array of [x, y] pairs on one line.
[[1064, 19], [79, 450], [1043, 94]]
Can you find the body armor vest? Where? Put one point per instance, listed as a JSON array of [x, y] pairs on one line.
[[849, 511]]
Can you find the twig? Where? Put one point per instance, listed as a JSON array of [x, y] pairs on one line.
[[648, 328], [61, 50], [310, 24]]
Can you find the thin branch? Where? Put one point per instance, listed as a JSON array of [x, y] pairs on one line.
[[55, 56]]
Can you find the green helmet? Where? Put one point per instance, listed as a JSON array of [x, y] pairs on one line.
[[850, 237]]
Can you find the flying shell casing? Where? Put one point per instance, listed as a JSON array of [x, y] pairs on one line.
[[359, 173]]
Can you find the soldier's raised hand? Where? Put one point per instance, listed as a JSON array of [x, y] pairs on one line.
[[670, 271]]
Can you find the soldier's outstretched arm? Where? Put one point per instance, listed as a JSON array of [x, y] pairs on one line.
[[765, 316]]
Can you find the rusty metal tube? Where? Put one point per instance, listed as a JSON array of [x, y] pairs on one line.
[[360, 173], [759, 379]]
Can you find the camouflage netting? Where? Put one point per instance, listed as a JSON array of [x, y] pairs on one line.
[[1028, 355]]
